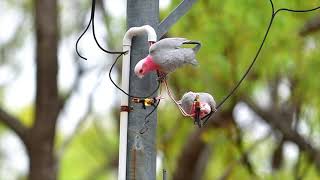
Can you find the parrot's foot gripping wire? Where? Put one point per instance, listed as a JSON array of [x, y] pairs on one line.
[[196, 107], [161, 76]]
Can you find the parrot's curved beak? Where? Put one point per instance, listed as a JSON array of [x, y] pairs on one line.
[[138, 69], [140, 76]]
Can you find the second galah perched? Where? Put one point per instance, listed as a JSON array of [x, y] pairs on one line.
[[206, 104], [167, 55]]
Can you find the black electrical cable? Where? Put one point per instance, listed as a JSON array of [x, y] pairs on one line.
[[207, 117], [126, 93], [114, 63], [145, 127], [146, 122], [94, 34], [273, 15], [106, 51]]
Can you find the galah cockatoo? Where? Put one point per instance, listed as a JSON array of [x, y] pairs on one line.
[[167, 55], [206, 104]]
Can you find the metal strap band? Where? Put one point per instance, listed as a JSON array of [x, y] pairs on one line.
[[125, 109]]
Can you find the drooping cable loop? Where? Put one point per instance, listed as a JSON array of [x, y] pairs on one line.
[[145, 128], [91, 22], [126, 93]]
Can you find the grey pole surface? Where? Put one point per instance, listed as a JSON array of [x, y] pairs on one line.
[[141, 149]]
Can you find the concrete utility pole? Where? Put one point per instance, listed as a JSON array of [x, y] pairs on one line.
[[141, 149]]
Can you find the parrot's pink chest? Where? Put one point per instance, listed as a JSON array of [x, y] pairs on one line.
[[151, 65], [193, 110]]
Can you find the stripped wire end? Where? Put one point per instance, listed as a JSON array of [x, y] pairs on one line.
[[147, 101]]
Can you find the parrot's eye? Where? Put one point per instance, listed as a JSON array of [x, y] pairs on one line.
[[141, 71]]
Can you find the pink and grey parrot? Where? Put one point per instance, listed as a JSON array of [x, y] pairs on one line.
[[167, 55], [198, 105]]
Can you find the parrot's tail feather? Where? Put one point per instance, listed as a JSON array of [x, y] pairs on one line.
[[196, 48], [194, 62]]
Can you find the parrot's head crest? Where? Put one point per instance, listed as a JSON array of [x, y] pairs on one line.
[[144, 66]]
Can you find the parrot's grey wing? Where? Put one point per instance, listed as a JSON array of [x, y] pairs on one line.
[[187, 101], [167, 43], [169, 60], [206, 97]]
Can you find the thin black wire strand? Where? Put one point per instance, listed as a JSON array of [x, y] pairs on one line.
[[94, 33], [145, 128], [91, 21], [251, 65], [273, 15], [86, 29], [126, 93], [145, 124], [106, 51], [296, 11]]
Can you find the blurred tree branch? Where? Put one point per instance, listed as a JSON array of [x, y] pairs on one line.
[[13, 123], [239, 144], [244, 155], [194, 147], [279, 118], [66, 143], [311, 26], [277, 155], [202, 161]]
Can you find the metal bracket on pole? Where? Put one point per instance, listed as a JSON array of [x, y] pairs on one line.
[[174, 16]]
